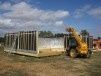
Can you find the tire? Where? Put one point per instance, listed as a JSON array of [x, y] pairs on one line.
[[73, 53]]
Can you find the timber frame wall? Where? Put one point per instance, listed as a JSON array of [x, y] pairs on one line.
[[22, 42]]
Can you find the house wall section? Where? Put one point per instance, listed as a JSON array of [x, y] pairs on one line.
[[9, 40], [28, 43], [51, 44], [21, 41]]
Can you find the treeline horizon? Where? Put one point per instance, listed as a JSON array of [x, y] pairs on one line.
[[49, 34]]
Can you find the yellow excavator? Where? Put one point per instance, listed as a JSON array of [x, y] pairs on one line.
[[77, 47]]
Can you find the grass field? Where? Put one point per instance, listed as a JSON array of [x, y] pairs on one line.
[[17, 65]]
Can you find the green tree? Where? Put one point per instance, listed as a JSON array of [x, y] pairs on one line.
[[46, 34], [59, 35], [84, 33]]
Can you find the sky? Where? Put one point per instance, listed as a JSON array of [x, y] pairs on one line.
[[52, 15]]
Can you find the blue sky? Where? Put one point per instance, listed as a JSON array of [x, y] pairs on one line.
[[54, 15]]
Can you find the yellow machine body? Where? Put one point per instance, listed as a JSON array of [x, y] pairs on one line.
[[82, 47]]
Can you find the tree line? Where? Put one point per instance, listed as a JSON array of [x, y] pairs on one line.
[[49, 34]]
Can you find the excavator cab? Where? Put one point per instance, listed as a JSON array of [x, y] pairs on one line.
[[72, 42]]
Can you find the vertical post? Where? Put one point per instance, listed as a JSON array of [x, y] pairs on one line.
[[6, 41], [31, 41], [21, 40], [37, 35], [34, 41], [12, 39], [24, 39], [28, 40], [9, 41], [18, 34]]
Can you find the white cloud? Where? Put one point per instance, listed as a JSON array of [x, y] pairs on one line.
[[59, 23], [5, 23], [87, 10], [22, 15], [5, 6], [96, 12], [24, 11], [79, 13]]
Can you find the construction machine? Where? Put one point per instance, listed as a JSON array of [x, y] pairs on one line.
[[77, 46]]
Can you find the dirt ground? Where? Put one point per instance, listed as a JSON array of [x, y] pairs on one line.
[[17, 65]]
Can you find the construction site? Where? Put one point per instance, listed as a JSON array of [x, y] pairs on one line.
[[50, 38], [69, 55], [29, 43], [24, 52]]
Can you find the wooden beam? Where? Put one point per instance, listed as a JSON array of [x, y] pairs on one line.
[[28, 41], [34, 41], [6, 41], [31, 41], [18, 34], [37, 35], [24, 41]]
